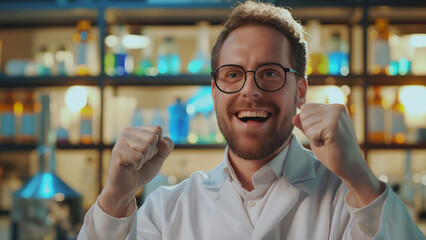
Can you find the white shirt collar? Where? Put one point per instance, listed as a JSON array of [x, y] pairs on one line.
[[266, 174]]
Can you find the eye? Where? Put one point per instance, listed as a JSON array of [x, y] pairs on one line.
[[270, 74], [233, 74]]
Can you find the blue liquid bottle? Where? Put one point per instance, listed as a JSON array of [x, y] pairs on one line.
[[137, 119], [179, 123], [120, 54], [200, 63], [338, 56], [168, 57]]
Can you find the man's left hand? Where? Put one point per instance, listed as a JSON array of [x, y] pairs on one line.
[[329, 131]]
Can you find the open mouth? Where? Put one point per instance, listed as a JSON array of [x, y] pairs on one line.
[[255, 116]]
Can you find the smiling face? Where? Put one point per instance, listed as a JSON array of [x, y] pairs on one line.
[[255, 123]]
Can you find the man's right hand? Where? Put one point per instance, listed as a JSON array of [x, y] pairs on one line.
[[136, 158]]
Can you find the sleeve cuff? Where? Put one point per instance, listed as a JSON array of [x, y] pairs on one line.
[[108, 227], [367, 218]]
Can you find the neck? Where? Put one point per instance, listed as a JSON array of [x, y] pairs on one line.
[[246, 168]]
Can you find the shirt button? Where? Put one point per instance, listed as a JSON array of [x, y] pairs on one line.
[[251, 203], [365, 228]]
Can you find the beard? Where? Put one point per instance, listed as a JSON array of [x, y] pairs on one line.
[[267, 143]]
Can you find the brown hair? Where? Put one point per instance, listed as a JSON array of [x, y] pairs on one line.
[[278, 18]]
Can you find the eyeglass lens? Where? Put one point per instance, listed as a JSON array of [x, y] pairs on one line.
[[268, 77]]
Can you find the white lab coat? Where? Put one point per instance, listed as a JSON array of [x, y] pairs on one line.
[[308, 202]]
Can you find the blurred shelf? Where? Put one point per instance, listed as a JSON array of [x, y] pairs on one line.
[[49, 81], [162, 80], [30, 147], [134, 13], [319, 80], [4, 212], [15, 14], [16, 147], [42, 14], [196, 80], [330, 3], [382, 146], [399, 12], [17, 5], [381, 80]]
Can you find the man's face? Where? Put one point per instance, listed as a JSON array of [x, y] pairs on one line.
[[250, 46]]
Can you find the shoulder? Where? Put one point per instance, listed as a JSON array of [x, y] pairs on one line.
[[195, 184]]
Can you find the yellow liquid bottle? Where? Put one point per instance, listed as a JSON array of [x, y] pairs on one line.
[[7, 119], [376, 118], [399, 133], [82, 38], [86, 124]]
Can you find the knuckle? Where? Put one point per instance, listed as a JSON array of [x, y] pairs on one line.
[[146, 149], [152, 139], [117, 147], [157, 128], [339, 106], [127, 130]]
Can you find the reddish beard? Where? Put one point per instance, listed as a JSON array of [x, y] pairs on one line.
[[263, 145]]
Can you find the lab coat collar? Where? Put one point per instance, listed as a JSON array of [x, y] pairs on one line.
[[300, 165], [298, 171]]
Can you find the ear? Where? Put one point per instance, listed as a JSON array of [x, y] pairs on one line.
[[213, 93], [302, 88]]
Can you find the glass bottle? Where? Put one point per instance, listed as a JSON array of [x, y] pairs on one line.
[[120, 53], [28, 122], [338, 55], [376, 115], [179, 126], [381, 47], [64, 61], [137, 118], [44, 61], [200, 63], [86, 124], [405, 61], [399, 132], [83, 39], [7, 118], [318, 62], [146, 65], [168, 57]]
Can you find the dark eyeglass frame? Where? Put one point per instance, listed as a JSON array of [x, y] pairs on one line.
[[286, 70]]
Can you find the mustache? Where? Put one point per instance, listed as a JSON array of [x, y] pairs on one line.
[[248, 104]]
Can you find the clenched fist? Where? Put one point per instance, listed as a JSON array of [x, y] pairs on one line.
[[332, 139], [136, 158]]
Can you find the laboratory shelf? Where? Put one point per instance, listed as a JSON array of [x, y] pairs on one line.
[[48, 81], [161, 80]]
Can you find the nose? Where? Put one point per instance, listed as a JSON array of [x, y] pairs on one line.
[[250, 89]]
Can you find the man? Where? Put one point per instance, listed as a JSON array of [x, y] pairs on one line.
[[268, 186]]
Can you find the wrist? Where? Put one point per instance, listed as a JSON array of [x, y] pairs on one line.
[[115, 205], [365, 188]]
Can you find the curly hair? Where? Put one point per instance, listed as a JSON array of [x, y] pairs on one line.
[[266, 14]]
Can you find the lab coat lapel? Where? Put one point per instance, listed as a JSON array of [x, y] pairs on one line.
[[280, 202], [227, 199], [299, 169]]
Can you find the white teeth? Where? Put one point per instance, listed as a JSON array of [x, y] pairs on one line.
[[261, 114]]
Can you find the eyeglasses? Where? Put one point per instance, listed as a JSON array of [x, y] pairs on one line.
[[269, 77]]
